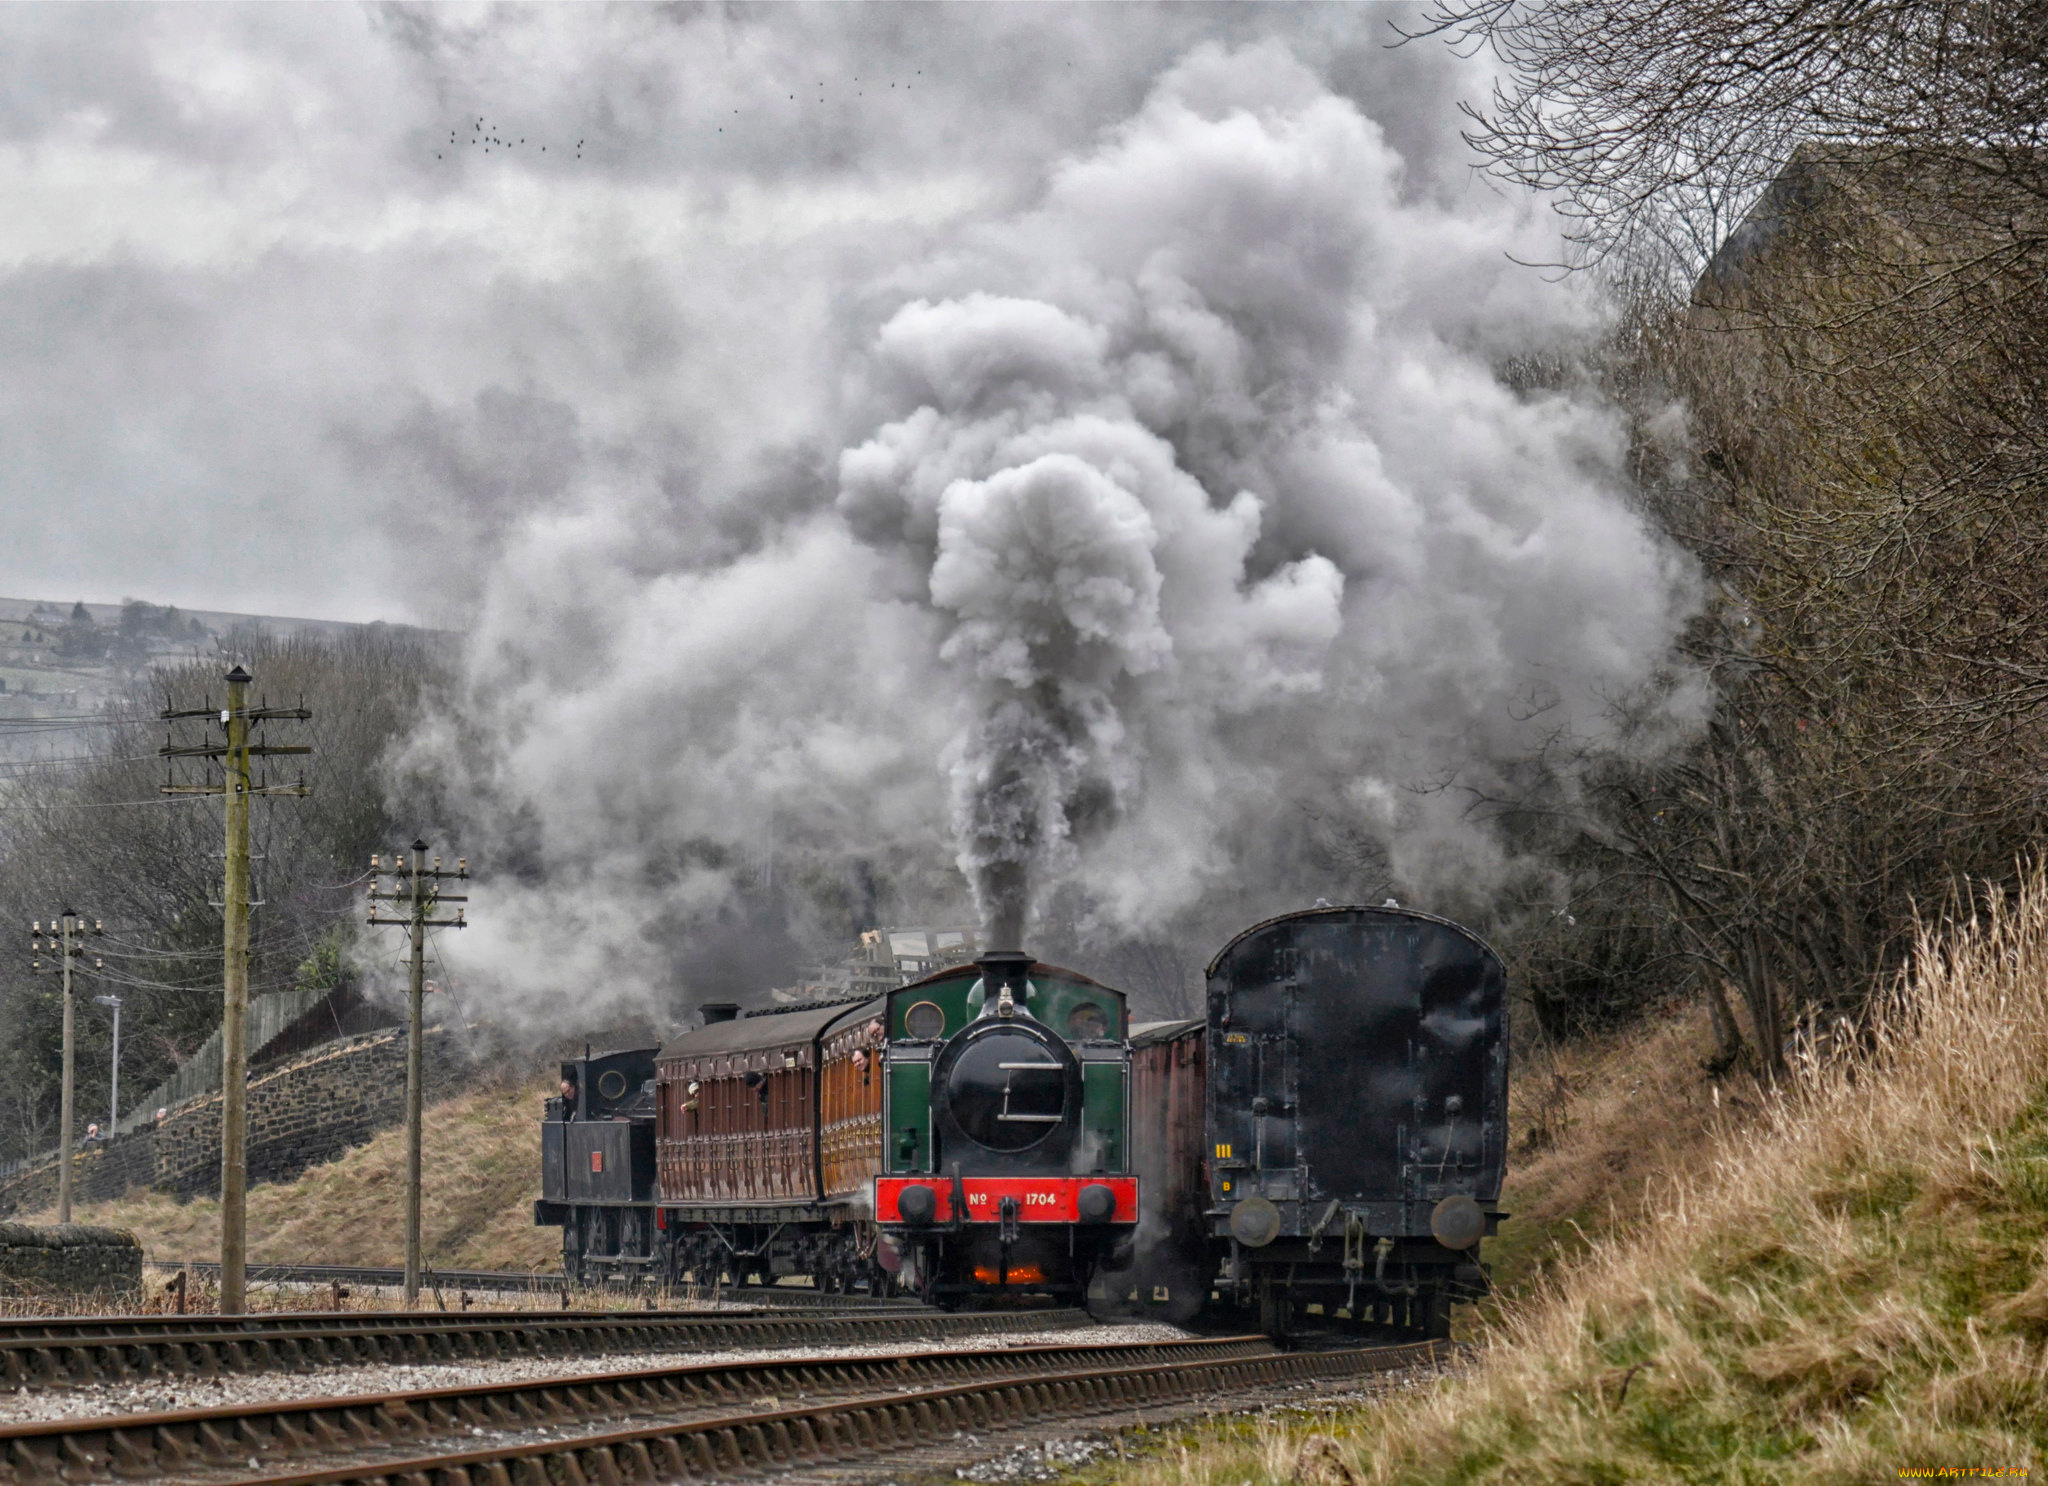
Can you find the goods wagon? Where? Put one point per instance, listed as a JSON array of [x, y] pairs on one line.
[[1167, 1273], [1356, 1114]]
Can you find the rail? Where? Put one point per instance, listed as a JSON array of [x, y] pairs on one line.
[[533, 1282], [669, 1424], [73, 1351]]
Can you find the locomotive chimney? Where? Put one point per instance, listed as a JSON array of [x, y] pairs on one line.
[[1002, 978]]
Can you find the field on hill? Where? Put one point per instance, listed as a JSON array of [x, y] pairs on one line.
[[481, 1159]]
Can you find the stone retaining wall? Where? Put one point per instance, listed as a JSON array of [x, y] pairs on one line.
[[308, 1111], [301, 1113], [69, 1258], [101, 1171]]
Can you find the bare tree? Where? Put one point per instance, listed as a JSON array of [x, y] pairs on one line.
[[98, 836], [1656, 123], [1825, 226]]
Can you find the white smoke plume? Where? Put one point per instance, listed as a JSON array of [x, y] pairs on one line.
[[1122, 544]]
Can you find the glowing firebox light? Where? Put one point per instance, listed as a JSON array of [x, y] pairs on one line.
[[1022, 1274]]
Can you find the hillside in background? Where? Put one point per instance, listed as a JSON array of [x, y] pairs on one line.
[[88, 826], [481, 1153], [61, 662]]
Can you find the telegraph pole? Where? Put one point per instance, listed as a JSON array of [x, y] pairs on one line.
[[418, 886], [67, 934], [237, 786]]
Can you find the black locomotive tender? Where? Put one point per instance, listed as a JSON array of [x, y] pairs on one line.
[[1324, 1148]]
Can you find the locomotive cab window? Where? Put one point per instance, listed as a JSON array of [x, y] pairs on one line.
[[1087, 1020], [611, 1084], [925, 1021]]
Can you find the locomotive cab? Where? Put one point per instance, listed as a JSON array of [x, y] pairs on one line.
[[597, 1163]]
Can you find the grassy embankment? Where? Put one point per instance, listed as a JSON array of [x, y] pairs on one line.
[[481, 1157], [1851, 1283], [1596, 1126]]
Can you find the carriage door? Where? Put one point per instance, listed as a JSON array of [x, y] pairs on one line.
[[1449, 1052], [1254, 1085]]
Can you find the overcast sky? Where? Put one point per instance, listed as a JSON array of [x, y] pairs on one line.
[[301, 305]]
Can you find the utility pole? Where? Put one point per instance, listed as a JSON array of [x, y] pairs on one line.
[[114, 1074], [66, 936], [418, 886], [234, 752]]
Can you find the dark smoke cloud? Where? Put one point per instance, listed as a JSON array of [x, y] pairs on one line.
[[1060, 443]]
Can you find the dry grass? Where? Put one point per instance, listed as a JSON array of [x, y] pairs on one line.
[[481, 1159], [1853, 1283], [1597, 1126]]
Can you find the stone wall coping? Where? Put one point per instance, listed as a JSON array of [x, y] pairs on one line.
[[65, 1236]]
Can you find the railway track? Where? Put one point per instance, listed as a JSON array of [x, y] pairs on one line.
[[70, 1351], [671, 1424], [526, 1282]]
